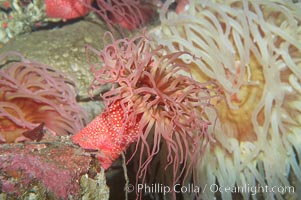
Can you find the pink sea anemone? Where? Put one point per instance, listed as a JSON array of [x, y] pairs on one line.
[[32, 93], [158, 91]]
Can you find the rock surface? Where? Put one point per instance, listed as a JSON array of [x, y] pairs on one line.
[[47, 170], [62, 48]]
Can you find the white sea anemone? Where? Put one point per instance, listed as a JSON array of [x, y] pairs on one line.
[[253, 50]]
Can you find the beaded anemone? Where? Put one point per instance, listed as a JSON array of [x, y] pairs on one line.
[[157, 98]]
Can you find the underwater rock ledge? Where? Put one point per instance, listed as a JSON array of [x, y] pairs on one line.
[[46, 170]]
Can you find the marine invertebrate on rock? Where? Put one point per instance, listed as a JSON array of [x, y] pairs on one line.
[[32, 93], [152, 97], [253, 50], [17, 17], [67, 9]]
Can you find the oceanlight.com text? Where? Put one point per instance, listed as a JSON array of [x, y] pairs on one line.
[[253, 190], [214, 188]]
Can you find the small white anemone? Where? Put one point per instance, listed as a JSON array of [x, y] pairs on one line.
[[252, 49]]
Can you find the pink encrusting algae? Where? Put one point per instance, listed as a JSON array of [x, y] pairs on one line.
[[152, 96], [57, 167], [32, 93]]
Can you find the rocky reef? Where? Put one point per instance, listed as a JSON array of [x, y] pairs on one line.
[[48, 170]]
